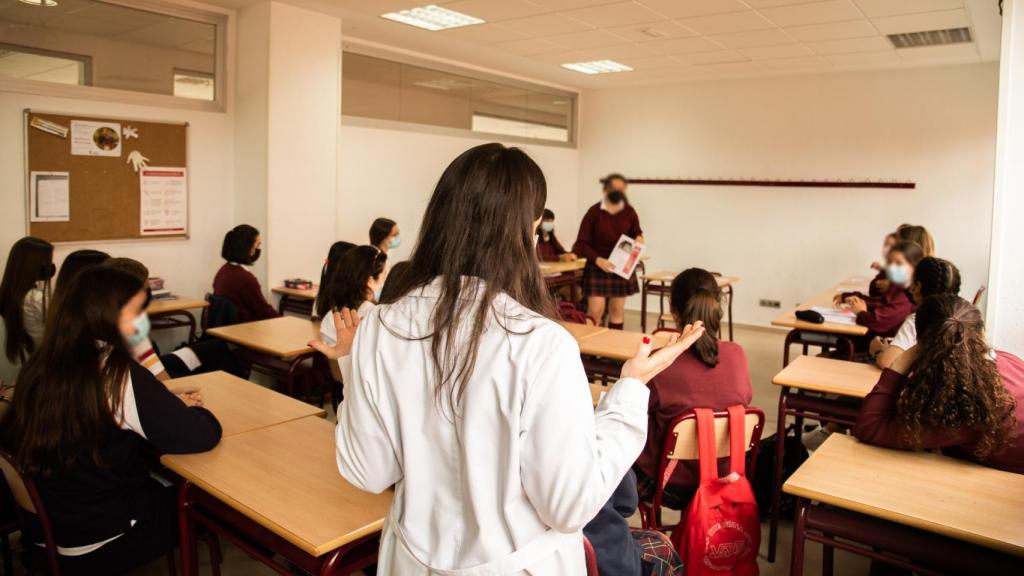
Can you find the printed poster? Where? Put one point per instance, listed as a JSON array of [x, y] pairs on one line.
[[626, 256], [163, 201], [50, 197], [89, 138]]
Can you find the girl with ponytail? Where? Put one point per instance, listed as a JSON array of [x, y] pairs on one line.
[[951, 392], [711, 374]]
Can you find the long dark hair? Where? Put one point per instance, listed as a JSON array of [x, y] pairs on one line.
[[72, 265], [338, 249], [548, 215], [347, 288], [30, 261], [381, 229], [495, 194], [954, 384], [238, 243], [69, 390], [696, 296]]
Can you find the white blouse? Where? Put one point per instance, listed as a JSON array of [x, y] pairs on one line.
[[506, 486]]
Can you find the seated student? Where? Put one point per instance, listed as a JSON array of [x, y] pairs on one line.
[[549, 249], [950, 392], [931, 276], [25, 296], [74, 263], [883, 314], [356, 285], [235, 282], [81, 420], [624, 551], [879, 283], [711, 374], [385, 236], [338, 249]]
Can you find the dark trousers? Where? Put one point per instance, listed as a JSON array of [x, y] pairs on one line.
[[213, 354]]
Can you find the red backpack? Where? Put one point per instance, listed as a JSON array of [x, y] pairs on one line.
[[722, 530]]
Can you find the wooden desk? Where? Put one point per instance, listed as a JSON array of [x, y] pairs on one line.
[[277, 345], [296, 301], [244, 406], [176, 312], [558, 274], [806, 384], [824, 298], [618, 345], [562, 267], [660, 283], [579, 331], [926, 491], [279, 486]]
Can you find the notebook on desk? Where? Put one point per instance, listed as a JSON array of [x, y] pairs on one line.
[[837, 315]]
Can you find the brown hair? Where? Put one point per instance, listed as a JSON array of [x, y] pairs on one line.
[[29, 262], [911, 251], [696, 296], [476, 242], [953, 383], [920, 235]]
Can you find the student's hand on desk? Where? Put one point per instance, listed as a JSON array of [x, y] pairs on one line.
[[567, 257], [643, 365], [605, 264], [190, 395], [346, 322], [837, 300], [856, 304]]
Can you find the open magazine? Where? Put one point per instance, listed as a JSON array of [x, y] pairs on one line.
[[625, 256]]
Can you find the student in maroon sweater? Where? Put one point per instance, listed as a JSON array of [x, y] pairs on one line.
[[883, 314], [549, 249], [712, 374], [600, 230], [950, 392], [235, 282]]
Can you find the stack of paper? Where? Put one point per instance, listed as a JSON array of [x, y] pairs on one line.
[[836, 315]]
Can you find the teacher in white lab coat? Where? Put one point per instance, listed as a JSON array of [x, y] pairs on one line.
[[464, 395]]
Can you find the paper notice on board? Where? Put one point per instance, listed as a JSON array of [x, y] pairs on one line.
[[50, 197], [626, 256], [90, 138], [163, 201]]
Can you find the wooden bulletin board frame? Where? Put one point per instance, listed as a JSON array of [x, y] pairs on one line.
[[105, 201]]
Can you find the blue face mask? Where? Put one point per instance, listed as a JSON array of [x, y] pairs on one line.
[[142, 326], [376, 296], [395, 242], [897, 274], [547, 227]]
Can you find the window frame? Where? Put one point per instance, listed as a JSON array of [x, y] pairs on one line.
[[84, 59], [222, 19], [469, 71]]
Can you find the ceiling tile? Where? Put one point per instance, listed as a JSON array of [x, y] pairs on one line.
[[922, 22], [863, 58], [561, 57], [814, 13], [570, 4], [949, 52], [717, 57], [586, 39], [546, 25], [725, 23], [805, 63], [772, 52], [529, 47], [120, 15], [618, 53], [71, 23], [683, 45], [833, 31], [496, 11], [770, 3], [876, 8], [621, 13], [651, 31], [725, 69], [872, 44], [378, 7], [484, 34], [655, 62], [691, 8], [770, 37]]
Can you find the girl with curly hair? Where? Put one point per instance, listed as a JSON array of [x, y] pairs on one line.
[[951, 392]]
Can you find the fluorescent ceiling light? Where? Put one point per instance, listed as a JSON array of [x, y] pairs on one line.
[[47, 3], [598, 67], [432, 18]]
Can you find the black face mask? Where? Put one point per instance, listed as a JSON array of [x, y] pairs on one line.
[[255, 256], [48, 271]]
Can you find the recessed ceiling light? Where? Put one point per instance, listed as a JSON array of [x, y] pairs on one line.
[[47, 3], [598, 67], [432, 18]]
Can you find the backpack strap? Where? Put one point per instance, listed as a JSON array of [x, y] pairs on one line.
[[737, 437], [706, 450]]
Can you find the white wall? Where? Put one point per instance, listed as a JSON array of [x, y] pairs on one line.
[[391, 172], [935, 126]]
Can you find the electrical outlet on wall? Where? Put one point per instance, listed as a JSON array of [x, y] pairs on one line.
[[765, 303]]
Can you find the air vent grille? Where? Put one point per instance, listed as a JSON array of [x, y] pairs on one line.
[[930, 38]]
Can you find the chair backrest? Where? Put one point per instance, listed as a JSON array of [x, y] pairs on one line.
[[26, 496], [591, 557], [568, 312], [681, 443], [978, 295], [220, 312]]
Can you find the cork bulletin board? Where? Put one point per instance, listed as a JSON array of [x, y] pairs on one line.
[[92, 178]]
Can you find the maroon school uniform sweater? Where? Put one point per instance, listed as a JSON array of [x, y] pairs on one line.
[[599, 231], [549, 250], [690, 383], [879, 424], [243, 290], [886, 312]]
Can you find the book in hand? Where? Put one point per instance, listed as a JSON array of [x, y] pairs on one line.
[[625, 256]]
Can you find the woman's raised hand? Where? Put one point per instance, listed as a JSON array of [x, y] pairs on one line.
[[643, 365], [346, 321]]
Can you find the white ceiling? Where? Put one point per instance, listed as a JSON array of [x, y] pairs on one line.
[[676, 40]]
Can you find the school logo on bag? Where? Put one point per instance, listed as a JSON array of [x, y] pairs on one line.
[[725, 543]]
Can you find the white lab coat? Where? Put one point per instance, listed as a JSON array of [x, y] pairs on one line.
[[522, 469]]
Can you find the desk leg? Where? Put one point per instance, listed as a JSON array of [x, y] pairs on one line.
[[661, 305], [282, 304], [186, 534], [827, 559], [780, 443], [643, 305], [191, 327], [796, 563]]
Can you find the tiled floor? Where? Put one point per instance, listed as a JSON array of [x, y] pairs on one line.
[[764, 350]]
